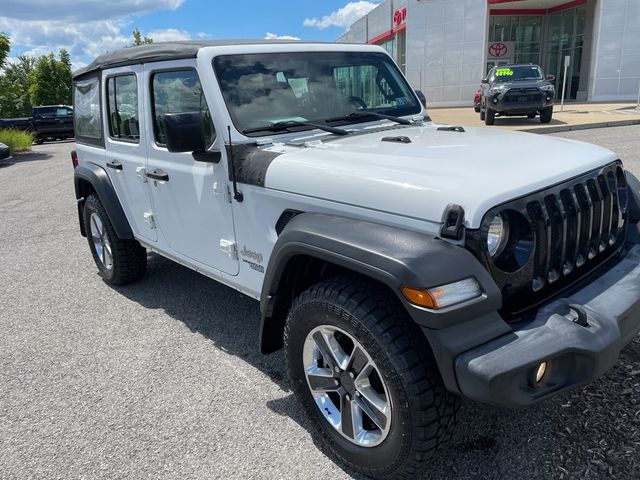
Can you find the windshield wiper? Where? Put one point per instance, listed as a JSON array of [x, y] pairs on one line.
[[365, 113], [286, 125]]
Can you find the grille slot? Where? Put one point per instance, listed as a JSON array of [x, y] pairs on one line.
[[577, 226]]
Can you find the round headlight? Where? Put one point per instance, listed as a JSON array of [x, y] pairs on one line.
[[497, 235]]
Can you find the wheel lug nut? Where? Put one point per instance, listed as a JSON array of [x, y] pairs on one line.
[[348, 397], [337, 369], [336, 382], [352, 375]]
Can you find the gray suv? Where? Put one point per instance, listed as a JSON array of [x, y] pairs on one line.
[[517, 90]]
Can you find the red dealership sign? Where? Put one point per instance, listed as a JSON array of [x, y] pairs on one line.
[[399, 17]]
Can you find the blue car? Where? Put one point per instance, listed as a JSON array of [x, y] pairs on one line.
[[5, 153]]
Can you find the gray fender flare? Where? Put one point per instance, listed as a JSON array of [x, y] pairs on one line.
[[99, 180], [390, 255]]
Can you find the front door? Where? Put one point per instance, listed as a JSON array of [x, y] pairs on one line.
[[190, 201], [126, 149]]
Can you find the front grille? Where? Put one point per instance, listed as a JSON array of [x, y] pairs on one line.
[[577, 226], [523, 95]]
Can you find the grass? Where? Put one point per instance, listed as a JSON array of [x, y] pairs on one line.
[[17, 140]]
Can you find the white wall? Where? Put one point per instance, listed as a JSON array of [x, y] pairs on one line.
[[615, 70], [446, 48]]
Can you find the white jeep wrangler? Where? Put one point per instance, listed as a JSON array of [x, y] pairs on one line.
[[401, 264]]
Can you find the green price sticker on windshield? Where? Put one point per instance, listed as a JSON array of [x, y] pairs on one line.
[[504, 72]]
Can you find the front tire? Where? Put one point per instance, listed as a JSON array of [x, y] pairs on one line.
[[351, 347], [490, 117], [119, 261], [546, 115]]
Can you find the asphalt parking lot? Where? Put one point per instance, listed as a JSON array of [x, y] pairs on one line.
[[162, 379]]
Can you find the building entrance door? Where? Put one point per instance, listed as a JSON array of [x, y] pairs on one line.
[[566, 34]]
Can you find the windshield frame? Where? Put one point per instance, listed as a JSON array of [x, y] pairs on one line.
[[413, 108]]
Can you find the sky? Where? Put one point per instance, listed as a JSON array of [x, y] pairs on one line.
[[87, 28]]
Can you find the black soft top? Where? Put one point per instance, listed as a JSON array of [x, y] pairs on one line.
[[159, 52]]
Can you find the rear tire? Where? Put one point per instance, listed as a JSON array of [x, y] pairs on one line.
[[490, 117], [546, 115], [119, 261], [356, 314]]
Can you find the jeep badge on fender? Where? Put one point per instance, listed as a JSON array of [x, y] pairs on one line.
[[400, 264]]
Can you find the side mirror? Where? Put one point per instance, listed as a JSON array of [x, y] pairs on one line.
[[422, 98], [551, 78], [484, 81], [184, 132]]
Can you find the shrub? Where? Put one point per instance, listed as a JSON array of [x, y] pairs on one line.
[[17, 140]]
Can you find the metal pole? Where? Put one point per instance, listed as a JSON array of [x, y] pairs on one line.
[[638, 105], [564, 86]]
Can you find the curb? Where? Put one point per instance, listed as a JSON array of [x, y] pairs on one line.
[[585, 126]]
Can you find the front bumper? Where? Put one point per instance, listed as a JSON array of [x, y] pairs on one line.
[[511, 104], [501, 372]]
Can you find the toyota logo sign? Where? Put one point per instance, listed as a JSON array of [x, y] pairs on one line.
[[498, 50]]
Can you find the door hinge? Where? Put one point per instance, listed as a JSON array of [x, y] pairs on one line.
[[141, 172], [229, 247], [150, 218], [222, 189]]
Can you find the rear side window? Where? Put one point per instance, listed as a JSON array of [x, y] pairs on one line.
[[87, 117], [179, 91], [122, 108]]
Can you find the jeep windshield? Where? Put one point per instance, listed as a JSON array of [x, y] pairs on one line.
[[517, 74], [305, 88]]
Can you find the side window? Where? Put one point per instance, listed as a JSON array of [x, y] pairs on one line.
[[122, 108], [87, 118], [367, 86], [179, 91]]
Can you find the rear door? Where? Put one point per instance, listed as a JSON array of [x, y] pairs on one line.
[[126, 148], [192, 205]]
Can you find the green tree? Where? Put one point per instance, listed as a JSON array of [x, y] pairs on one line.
[[14, 88], [138, 39], [50, 81], [5, 46]]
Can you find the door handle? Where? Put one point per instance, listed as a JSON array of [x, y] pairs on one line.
[[158, 174], [115, 164]]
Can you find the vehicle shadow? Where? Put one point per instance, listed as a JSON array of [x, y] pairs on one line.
[[526, 122], [229, 319], [25, 157]]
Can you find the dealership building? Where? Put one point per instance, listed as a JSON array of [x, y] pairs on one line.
[[445, 47]]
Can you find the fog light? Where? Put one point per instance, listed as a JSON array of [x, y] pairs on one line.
[[495, 100], [541, 371]]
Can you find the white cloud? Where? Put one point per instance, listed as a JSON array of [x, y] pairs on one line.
[[85, 28], [343, 17], [274, 36], [81, 9], [168, 35]]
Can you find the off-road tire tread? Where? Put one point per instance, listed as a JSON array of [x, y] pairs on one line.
[[129, 257], [432, 408]]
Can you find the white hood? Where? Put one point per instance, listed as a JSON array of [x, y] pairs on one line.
[[477, 169]]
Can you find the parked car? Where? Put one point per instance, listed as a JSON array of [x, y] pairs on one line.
[[48, 122], [5, 152], [399, 263], [517, 90], [476, 100]]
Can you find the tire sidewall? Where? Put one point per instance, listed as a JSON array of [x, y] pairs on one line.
[[392, 450]]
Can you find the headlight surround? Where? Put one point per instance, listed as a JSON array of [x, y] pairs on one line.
[[547, 88], [510, 240], [497, 235]]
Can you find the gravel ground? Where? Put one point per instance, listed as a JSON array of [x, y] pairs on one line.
[[162, 379]]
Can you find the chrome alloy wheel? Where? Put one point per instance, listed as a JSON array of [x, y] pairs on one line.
[[100, 241], [347, 386]]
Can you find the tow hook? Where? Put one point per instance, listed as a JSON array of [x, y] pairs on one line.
[[577, 314]]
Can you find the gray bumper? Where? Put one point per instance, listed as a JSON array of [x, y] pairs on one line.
[[502, 371]]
